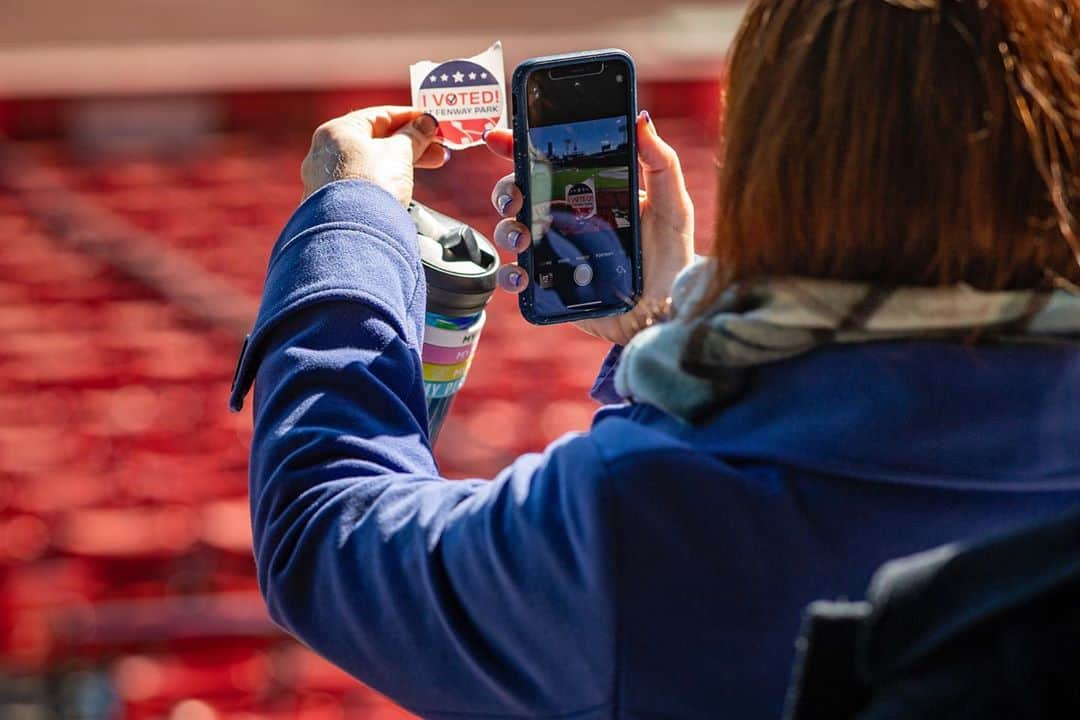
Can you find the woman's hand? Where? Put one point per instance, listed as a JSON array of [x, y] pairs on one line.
[[667, 230], [378, 144]]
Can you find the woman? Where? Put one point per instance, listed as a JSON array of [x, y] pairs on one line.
[[878, 358]]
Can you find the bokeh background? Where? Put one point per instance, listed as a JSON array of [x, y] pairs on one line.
[[149, 155]]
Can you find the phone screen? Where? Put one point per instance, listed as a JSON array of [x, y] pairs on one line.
[[581, 167]]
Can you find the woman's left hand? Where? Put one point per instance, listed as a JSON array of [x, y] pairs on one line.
[[379, 144], [667, 230]]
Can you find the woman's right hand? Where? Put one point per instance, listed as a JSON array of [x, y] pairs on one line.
[[667, 230]]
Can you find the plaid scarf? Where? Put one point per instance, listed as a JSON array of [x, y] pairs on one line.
[[692, 365]]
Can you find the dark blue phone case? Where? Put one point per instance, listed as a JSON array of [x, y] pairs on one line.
[[523, 180]]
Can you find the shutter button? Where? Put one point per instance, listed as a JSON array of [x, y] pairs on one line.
[[583, 274]]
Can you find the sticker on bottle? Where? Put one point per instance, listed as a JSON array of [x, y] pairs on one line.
[[446, 373], [466, 95], [456, 338]]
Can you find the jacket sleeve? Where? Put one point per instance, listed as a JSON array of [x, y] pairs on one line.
[[603, 389], [452, 597]]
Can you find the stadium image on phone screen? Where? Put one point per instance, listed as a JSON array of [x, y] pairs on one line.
[[582, 206]]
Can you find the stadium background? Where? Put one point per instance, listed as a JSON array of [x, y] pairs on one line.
[[149, 155]]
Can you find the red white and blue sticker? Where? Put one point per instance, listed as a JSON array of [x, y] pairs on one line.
[[466, 95], [582, 198]]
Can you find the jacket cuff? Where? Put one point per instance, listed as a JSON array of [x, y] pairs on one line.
[[352, 241]]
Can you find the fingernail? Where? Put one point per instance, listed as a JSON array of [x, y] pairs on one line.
[[483, 135], [512, 238], [503, 202], [426, 123], [648, 118], [514, 279], [446, 155]]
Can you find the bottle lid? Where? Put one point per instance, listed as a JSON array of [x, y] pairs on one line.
[[459, 263]]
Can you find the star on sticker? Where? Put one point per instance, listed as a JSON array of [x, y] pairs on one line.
[[472, 76], [483, 76], [432, 78], [444, 77], [459, 76]]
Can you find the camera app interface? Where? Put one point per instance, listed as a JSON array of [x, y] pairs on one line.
[[583, 212]]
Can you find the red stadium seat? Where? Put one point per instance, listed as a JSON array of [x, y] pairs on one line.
[[125, 541]]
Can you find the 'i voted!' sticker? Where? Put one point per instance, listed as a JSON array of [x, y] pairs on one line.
[[582, 198], [465, 95]]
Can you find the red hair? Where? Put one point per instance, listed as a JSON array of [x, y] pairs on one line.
[[867, 142]]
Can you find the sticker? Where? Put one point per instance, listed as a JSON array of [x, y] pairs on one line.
[[434, 390], [446, 356], [581, 197], [465, 95], [446, 373], [454, 338], [449, 323]]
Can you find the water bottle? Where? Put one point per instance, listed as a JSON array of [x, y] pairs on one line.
[[460, 266]]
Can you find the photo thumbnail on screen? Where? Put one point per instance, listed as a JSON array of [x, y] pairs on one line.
[[580, 190]]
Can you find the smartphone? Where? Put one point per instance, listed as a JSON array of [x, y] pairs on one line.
[[575, 161]]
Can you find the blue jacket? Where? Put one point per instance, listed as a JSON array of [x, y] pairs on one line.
[[644, 569]]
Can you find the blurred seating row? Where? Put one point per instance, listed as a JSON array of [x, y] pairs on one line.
[[127, 586]]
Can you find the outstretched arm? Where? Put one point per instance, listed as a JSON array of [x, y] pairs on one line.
[[473, 597]]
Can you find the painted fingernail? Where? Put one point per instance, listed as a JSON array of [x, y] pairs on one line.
[[483, 135], [426, 123], [514, 279], [648, 118], [446, 155], [512, 238], [503, 202]]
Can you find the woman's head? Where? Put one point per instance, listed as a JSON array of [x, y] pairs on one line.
[[914, 142]]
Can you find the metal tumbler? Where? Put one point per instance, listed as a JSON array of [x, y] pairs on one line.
[[459, 266]]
